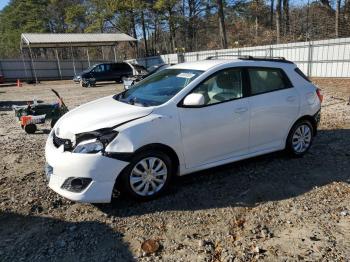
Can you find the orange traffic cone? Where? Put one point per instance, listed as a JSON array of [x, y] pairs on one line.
[[18, 82]]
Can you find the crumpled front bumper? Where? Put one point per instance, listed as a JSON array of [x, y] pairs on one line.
[[102, 170]]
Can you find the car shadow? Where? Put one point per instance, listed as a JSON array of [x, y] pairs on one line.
[[7, 105], [34, 238], [8, 85], [271, 177], [107, 83]]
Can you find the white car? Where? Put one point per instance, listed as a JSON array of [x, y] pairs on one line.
[[183, 119]]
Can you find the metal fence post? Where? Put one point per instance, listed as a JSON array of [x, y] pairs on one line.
[[309, 60], [271, 51]]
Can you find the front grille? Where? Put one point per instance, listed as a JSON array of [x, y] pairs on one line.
[[57, 141]]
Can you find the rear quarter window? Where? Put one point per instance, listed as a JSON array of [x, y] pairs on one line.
[[299, 72]]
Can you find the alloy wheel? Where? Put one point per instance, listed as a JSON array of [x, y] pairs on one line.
[[148, 176], [301, 139]]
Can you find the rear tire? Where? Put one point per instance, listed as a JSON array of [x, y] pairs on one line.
[[300, 138], [30, 129], [147, 176]]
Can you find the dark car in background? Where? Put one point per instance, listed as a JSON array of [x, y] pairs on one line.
[[2, 79], [110, 72]]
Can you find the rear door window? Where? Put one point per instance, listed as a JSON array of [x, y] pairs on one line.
[[107, 68], [264, 80]]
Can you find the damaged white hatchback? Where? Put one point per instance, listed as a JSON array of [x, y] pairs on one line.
[[186, 118]]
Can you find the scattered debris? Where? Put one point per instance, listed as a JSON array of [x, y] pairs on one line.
[[150, 246]]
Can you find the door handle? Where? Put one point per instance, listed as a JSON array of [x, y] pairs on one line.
[[291, 98], [241, 110]]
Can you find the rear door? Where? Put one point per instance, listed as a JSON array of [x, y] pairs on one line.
[[274, 106]]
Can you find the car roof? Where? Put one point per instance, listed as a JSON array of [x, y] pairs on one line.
[[200, 65], [205, 65]]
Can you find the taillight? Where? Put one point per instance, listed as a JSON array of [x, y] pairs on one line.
[[320, 96]]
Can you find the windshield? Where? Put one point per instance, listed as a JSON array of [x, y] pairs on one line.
[[159, 87], [89, 68]]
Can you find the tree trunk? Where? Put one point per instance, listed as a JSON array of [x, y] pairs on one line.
[[172, 31], [286, 16], [133, 24], [222, 24], [144, 32], [271, 13], [278, 20], [190, 26], [337, 18], [256, 19]]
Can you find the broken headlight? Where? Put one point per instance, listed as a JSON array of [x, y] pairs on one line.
[[94, 142], [89, 147]]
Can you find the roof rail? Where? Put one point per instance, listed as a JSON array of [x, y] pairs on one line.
[[217, 56], [255, 58]]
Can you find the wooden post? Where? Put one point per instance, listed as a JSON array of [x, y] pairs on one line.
[[58, 64], [88, 57], [33, 67], [115, 54], [71, 50]]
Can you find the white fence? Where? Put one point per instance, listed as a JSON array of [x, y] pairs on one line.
[[13, 69], [326, 58]]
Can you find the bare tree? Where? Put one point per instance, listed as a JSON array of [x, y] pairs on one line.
[[337, 18], [222, 27], [286, 16], [278, 20], [144, 31], [271, 13]]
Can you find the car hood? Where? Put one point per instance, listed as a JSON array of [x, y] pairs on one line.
[[102, 113]]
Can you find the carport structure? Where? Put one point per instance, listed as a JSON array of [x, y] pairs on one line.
[[70, 40]]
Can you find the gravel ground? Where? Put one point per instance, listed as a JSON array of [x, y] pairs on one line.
[[270, 208]]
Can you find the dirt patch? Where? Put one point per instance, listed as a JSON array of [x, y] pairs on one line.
[[269, 208]]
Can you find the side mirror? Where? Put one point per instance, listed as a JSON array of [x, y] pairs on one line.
[[193, 100]]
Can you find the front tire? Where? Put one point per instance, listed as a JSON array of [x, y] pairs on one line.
[[147, 176], [300, 138]]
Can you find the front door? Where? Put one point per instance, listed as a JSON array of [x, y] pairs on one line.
[[219, 129]]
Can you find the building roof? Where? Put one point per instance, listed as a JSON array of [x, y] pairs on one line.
[[67, 40]]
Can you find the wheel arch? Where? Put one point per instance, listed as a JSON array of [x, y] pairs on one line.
[[309, 118], [153, 146], [165, 149]]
